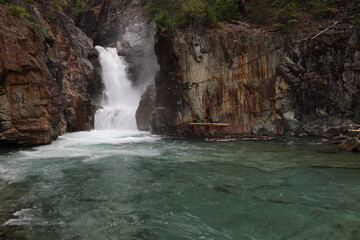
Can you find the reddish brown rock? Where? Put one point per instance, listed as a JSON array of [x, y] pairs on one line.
[[351, 144], [44, 77], [260, 82], [218, 76]]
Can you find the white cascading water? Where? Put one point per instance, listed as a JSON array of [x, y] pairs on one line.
[[120, 98]]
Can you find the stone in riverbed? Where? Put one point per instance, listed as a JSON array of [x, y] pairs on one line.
[[351, 144]]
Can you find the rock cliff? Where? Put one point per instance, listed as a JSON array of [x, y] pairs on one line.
[[320, 81], [126, 26], [46, 76], [258, 81]]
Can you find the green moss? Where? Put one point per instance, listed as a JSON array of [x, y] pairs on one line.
[[355, 15], [17, 11], [21, 13], [278, 25], [74, 7], [36, 27], [54, 6], [292, 21], [285, 11]]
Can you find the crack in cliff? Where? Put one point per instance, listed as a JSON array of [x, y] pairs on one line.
[[261, 56]]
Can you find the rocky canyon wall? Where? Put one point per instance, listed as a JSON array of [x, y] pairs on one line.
[[125, 26], [46, 77], [260, 82], [319, 84]]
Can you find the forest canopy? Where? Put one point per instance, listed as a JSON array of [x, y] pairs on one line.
[[175, 14], [171, 15]]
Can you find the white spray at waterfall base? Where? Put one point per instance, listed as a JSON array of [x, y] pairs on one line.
[[120, 98]]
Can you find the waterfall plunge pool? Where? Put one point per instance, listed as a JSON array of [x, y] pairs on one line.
[[132, 185], [122, 184]]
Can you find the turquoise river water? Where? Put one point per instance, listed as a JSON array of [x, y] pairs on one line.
[[131, 185]]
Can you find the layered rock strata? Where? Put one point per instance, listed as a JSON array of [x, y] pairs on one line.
[[45, 78], [257, 81]]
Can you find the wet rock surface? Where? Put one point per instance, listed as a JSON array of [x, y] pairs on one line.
[[259, 82], [44, 79], [146, 107], [220, 76], [351, 144], [323, 87], [125, 26]]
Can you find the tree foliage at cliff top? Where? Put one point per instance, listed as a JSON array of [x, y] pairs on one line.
[[287, 12], [72, 7], [177, 14]]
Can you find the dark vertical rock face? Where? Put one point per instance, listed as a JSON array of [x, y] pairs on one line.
[[125, 26], [146, 107], [323, 84], [101, 20], [222, 76], [168, 88], [44, 79], [259, 82]]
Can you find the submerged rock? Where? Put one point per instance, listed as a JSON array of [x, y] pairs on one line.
[[351, 144]]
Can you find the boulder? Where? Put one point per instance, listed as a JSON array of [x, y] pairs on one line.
[[351, 144]]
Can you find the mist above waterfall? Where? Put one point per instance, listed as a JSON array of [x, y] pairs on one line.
[[148, 66], [136, 43], [148, 69], [120, 98]]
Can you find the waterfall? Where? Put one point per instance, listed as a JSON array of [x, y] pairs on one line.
[[120, 98]]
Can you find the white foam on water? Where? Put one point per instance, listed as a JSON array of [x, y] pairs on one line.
[[115, 125], [115, 118], [26, 216], [120, 97], [87, 146]]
